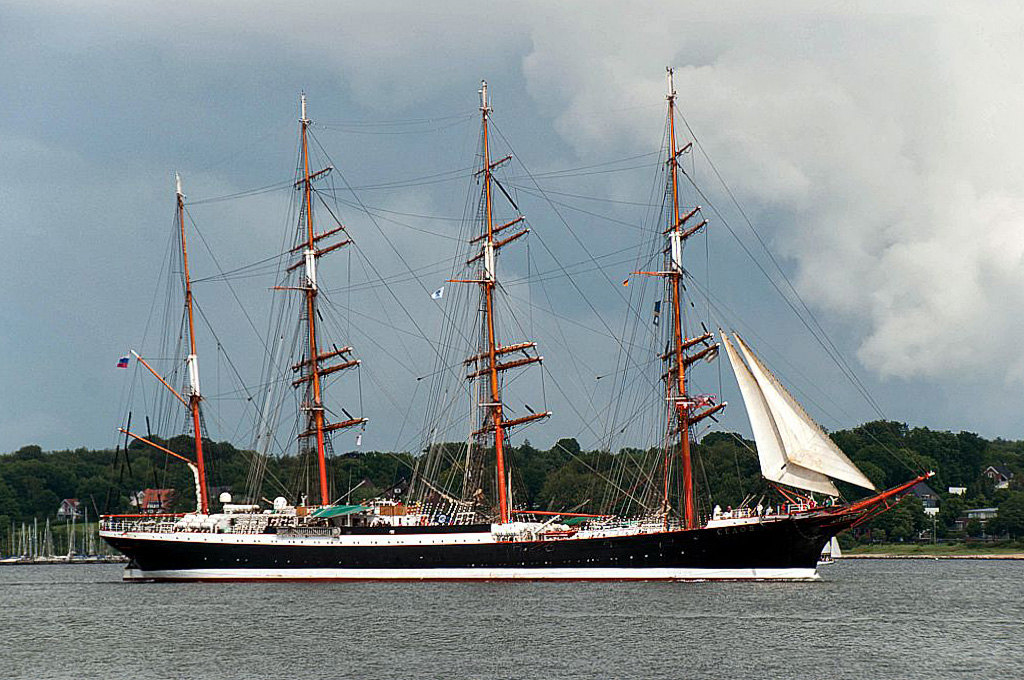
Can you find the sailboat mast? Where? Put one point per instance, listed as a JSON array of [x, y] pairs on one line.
[[675, 275], [317, 406], [193, 361], [488, 285]]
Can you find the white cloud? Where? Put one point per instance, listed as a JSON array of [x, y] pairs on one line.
[[886, 147]]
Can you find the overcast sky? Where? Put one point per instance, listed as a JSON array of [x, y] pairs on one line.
[[879, 154]]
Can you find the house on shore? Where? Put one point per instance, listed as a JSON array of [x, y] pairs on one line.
[[1000, 475], [156, 501], [69, 508], [929, 499], [983, 515]]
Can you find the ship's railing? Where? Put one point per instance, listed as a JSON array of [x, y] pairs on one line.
[[306, 530], [734, 513], [160, 523]]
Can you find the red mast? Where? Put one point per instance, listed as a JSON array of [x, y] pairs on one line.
[[312, 371], [490, 350], [192, 361], [682, 407]]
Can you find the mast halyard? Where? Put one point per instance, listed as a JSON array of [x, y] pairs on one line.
[[312, 371], [192, 361], [494, 424]]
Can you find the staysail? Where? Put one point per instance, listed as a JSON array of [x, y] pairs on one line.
[[803, 444], [771, 452]]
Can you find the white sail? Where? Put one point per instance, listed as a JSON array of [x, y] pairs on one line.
[[803, 440], [771, 452]]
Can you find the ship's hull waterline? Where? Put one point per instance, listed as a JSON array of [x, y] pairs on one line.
[[785, 549]]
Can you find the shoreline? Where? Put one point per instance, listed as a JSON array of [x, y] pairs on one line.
[[48, 561], [924, 556]]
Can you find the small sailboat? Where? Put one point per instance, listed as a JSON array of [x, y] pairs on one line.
[[830, 553]]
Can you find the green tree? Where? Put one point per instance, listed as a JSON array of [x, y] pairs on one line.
[[951, 509], [1010, 519], [974, 528]]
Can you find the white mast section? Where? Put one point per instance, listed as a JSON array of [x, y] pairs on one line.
[[192, 361], [806, 444], [771, 452]]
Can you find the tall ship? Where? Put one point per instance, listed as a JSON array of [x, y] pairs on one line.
[[459, 518]]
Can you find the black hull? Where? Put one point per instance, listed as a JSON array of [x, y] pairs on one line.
[[785, 546]]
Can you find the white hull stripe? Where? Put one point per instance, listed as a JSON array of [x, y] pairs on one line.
[[473, 574]]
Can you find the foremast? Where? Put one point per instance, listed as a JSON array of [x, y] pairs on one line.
[[192, 362], [311, 368], [684, 411], [485, 364]]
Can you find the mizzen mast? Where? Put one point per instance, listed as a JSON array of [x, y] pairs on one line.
[[485, 365], [192, 361], [311, 368]]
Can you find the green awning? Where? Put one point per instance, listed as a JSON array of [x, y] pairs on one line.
[[573, 521], [337, 511]]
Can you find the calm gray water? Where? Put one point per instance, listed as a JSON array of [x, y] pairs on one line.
[[868, 619]]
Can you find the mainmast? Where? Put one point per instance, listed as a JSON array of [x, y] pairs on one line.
[[494, 422], [312, 370], [683, 407], [192, 361]]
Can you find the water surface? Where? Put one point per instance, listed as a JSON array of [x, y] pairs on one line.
[[867, 619]]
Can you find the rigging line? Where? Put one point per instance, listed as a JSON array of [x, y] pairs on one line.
[[387, 324], [839, 358], [421, 216], [399, 222], [549, 173], [258, 142], [537, 276], [602, 199], [789, 303], [426, 271], [597, 472], [600, 318], [425, 129], [227, 357], [365, 263], [632, 324], [552, 275], [394, 122], [582, 244], [276, 186], [544, 194], [433, 178], [555, 314], [243, 268], [723, 312], [550, 176], [398, 253], [405, 418], [234, 294]]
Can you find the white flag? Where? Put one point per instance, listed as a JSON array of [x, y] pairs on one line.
[[437, 294], [359, 439]]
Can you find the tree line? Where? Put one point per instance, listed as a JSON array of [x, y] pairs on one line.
[[33, 482]]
